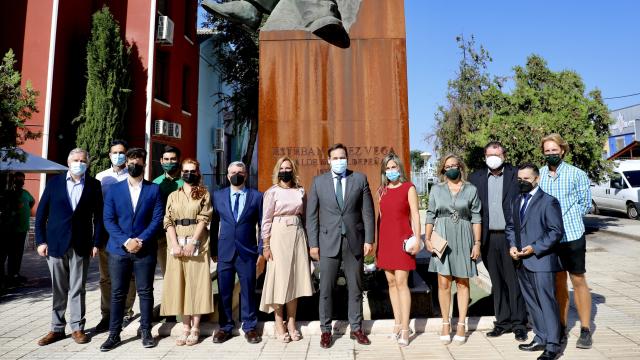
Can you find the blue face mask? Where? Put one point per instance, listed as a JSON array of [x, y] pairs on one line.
[[339, 166], [77, 168], [392, 175], [118, 159]]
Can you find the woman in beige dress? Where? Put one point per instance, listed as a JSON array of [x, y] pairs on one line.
[[285, 247], [187, 281]]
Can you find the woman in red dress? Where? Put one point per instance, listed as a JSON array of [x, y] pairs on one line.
[[399, 219]]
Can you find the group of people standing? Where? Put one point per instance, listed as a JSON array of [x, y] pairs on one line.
[[501, 214]]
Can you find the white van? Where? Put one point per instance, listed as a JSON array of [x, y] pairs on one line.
[[620, 192]]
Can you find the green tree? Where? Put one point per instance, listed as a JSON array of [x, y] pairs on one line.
[[237, 53], [417, 162], [16, 107], [101, 117]]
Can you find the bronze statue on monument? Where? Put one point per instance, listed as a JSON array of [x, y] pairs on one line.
[[320, 17]]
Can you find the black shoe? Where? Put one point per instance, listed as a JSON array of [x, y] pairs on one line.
[[112, 342], [102, 326], [585, 341], [147, 339], [520, 335], [497, 331], [532, 346], [548, 355]]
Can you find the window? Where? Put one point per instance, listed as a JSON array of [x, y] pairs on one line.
[[162, 7], [161, 77], [190, 15], [186, 89]]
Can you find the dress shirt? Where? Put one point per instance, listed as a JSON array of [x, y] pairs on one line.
[[571, 187], [343, 181], [134, 191], [74, 190], [111, 176], [495, 185], [242, 200]]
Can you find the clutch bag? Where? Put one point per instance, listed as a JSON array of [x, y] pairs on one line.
[[439, 244], [411, 242]]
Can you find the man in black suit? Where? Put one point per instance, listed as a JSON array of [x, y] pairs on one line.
[[533, 230], [497, 185]]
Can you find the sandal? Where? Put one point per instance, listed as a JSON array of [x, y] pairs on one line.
[[396, 332], [285, 338], [458, 339], [402, 341], [295, 335], [445, 339], [193, 337], [182, 339]]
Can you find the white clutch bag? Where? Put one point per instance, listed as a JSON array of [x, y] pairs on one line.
[[411, 242], [182, 241]]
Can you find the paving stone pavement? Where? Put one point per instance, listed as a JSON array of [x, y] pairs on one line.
[[613, 276]]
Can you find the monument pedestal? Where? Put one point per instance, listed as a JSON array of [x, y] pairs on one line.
[[314, 94]]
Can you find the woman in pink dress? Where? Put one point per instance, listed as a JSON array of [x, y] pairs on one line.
[[288, 276], [399, 219]]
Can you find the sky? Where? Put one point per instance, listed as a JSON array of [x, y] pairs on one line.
[[600, 40]]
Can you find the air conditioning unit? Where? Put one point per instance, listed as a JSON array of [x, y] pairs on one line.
[[177, 131], [217, 140], [161, 127], [164, 33]]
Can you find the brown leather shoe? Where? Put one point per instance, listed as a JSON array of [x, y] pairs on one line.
[[325, 340], [51, 337], [79, 337], [252, 337], [360, 337], [221, 336]]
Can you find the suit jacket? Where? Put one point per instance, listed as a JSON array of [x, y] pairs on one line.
[[510, 189], [229, 236], [60, 227], [123, 223], [542, 228], [324, 216]]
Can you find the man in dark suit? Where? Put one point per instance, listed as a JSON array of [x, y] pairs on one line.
[[340, 227], [237, 210], [133, 214], [533, 231], [497, 185], [68, 229]]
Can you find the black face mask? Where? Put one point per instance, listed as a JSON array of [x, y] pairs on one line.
[[553, 159], [190, 178], [135, 170], [237, 179], [285, 176], [18, 184], [525, 186]]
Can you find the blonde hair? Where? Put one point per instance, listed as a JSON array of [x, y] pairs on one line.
[[461, 166], [556, 138], [384, 182], [294, 170]]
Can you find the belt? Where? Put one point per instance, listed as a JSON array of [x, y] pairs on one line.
[[496, 231], [185, 222]]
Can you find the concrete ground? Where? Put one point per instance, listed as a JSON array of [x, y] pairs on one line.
[[612, 272]]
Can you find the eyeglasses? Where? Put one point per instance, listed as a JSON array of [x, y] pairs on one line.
[[189, 171]]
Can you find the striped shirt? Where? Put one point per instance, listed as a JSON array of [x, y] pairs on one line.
[[571, 187]]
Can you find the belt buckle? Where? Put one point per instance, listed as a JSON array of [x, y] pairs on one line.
[[185, 222]]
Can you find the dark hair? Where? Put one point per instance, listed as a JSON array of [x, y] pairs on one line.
[[137, 153], [494, 144], [18, 173], [336, 147], [171, 149], [119, 142], [531, 166]]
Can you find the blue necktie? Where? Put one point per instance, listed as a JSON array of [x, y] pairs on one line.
[[236, 206], [523, 208]]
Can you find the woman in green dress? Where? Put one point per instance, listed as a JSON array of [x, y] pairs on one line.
[[454, 214]]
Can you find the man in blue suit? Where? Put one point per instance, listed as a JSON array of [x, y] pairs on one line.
[[237, 210], [68, 229], [133, 214], [533, 230]]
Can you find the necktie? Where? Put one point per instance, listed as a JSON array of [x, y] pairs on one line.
[[340, 201], [236, 206], [523, 208]]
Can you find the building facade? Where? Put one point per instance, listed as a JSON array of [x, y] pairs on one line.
[[624, 133]]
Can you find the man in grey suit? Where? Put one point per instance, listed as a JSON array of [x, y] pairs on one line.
[[533, 230], [340, 227]]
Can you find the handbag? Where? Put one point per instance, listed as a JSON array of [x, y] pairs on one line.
[[439, 244], [411, 242], [183, 241]]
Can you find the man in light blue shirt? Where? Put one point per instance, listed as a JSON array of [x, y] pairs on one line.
[[570, 186]]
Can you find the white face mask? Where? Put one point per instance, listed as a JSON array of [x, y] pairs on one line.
[[118, 159], [494, 162], [77, 168], [339, 166]]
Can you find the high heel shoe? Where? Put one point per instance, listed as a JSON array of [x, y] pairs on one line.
[[402, 341], [445, 339], [396, 332], [459, 340]]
